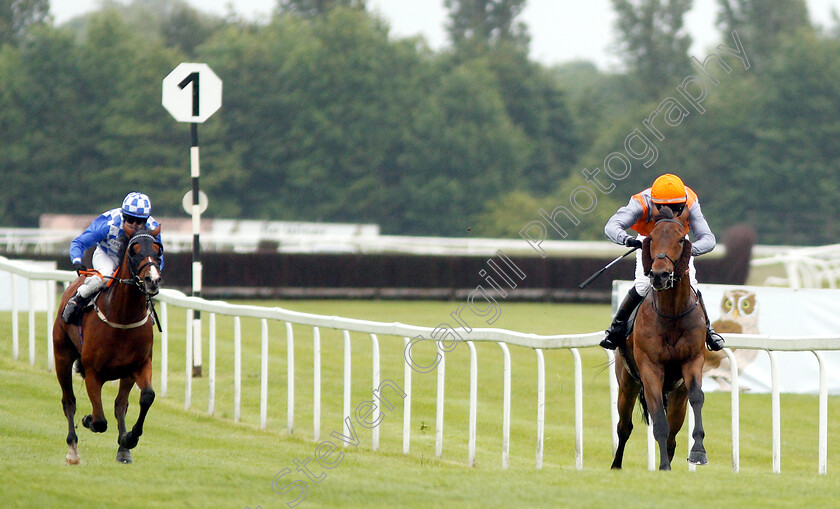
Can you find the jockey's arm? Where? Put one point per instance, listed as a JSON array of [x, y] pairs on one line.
[[704, 239], [623, 219], [96, 232]]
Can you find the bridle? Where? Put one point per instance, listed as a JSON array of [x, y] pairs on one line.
[[672, 278], [136, 265]]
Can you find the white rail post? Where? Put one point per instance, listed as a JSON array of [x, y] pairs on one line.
[[290, 378], [540, 406], [822, 465], [406, 403], [690, 433], [776, 412], [613, 398], [263, 373], [31, 322], [189, 360], [441, 381], [376, 409], [506, 407], [347, 382], [211, 389], [735, 395], [237, 368], [50, 316], [316, 382], [164, 349], [578, 409], [473, 403], [15, 318]]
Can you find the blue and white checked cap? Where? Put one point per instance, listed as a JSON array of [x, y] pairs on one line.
[[137, 205]]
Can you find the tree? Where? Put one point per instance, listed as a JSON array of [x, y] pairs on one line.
[[310, 8], [653, 40], [486, 22], [17, 16], [762, 23]]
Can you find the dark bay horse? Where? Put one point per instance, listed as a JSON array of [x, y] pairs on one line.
[[113, 342], [662, 361]]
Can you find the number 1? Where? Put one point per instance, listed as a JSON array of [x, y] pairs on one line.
[[192, 78]]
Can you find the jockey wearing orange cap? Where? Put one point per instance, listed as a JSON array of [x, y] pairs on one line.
[[667, 191]]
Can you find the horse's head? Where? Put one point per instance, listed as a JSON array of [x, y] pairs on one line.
[[666, 251], [143, 253]]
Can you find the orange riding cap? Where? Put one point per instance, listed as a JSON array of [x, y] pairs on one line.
[[668, 188], [645, 225]]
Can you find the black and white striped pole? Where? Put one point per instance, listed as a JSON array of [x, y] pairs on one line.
[[191, 93]]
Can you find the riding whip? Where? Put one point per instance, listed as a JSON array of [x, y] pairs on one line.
[[601, 271]]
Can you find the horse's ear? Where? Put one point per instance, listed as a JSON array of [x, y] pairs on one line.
[[156, 231], [647, 261], [682, 264]]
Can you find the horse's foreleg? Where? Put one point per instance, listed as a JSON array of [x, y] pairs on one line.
[[676, 417], [627, 393], [147, 397], [96, 421], [652, 383], [64, 371], [693, 376], [120, 408]]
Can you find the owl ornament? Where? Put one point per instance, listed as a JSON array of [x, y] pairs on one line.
[[738, 314]]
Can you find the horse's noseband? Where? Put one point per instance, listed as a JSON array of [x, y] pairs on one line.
[[671, 279]]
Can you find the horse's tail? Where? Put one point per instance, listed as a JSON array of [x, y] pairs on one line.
[[80, 369], [643, 403]]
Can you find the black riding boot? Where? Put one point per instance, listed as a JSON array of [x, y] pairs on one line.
[[618, 328], [714, 341], [73, 309]]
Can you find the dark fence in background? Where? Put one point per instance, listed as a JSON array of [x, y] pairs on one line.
[[278, 275]]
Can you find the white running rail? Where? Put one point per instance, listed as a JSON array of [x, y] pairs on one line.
[[504, 338]]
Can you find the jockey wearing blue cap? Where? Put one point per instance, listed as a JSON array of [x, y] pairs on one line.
[[108, 233]]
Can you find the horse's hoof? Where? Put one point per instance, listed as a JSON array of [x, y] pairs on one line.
[[95, 426], [124, 455], [698, 458], [72, 461]]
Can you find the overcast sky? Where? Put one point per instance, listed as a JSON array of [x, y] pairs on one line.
[[561, 30]]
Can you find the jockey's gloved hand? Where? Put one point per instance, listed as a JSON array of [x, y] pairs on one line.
[[632, 242], [79, 267]]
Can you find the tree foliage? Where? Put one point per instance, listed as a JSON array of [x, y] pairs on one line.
[[653, 40], [762, 23], [326, 116], [18, 16]]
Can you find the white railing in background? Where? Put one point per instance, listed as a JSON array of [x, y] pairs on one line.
[[503, 338]]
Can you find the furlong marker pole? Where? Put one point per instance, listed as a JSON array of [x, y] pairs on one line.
[[196, 263]]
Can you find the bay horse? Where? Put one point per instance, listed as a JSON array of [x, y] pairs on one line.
[[112, 342], [661, 362]]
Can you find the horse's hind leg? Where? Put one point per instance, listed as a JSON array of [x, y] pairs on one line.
[[64, 357], [120, 408], [627, 393], [147, 397], [96, 421], [676, 417], [692, 375]]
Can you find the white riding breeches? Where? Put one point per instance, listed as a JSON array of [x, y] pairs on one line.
[[642, 282], [106, 265]]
